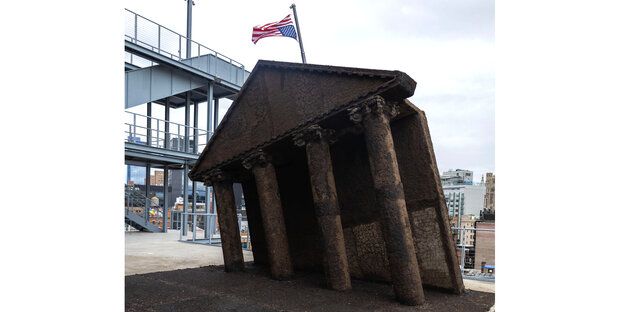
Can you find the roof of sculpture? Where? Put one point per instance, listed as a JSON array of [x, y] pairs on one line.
[[280, 98]]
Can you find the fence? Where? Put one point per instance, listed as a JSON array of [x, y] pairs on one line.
[[475, 251], [151, 35], [145, 208], [150, 131]]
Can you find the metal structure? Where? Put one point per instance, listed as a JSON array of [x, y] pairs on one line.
[[466, 253], [163, 67]]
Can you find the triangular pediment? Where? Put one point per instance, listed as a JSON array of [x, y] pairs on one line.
[[279, 98]]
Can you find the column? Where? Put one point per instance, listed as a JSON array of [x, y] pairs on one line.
[[228, 221], [375, 115], [272, 214], [184, 218], [326, 206], [165, 199]]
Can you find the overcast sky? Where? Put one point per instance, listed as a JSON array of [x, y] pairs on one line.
[[446, 46]]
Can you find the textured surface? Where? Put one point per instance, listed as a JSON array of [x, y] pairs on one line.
[[327, 212], [211, 289], [273, 221], [228, 226], [280, 97], [391, 207]]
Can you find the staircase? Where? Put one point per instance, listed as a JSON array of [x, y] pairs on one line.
[[135, 213]]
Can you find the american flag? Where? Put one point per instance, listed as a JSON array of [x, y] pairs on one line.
[[283, 28]]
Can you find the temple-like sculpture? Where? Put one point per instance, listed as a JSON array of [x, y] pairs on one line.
[[339, 175]]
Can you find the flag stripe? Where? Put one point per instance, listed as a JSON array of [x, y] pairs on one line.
[[283, 28]]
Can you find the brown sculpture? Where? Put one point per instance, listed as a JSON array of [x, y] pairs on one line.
[[339, 175]]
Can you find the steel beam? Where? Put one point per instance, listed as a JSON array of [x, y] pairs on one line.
[[187, 121], [169, 62], [165, 198], [184, 201], [167, 117]]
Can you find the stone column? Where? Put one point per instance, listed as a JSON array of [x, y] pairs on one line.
[[326, 205], [228, 221], [375, 115], [272, 214]]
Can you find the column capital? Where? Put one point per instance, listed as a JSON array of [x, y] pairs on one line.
[[256, 158], [216, 175], [375, 105], [313, 133]]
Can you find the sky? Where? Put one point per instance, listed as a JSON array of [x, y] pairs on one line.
[[446, 46]]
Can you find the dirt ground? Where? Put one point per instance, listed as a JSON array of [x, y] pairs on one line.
[[211, 289]]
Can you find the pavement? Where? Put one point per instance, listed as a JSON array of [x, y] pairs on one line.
[[158, 252]]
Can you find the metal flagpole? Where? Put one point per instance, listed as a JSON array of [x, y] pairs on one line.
[[294, 8], [189, 23]]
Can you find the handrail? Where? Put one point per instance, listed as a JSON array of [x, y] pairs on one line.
[[199, 45], [160, 136]]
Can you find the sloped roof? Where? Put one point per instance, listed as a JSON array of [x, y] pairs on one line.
[[280, 98]]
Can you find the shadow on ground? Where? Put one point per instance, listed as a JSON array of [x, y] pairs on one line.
[[211, 289]]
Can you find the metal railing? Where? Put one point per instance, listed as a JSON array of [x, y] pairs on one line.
[[475, 250], [149, 34], [141, 206], [154, 132]]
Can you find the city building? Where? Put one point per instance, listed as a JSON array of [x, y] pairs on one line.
[[489, 202], [467, 246], [464, 199], [467, 222], [157, 178], [457, 176], [484, 246]]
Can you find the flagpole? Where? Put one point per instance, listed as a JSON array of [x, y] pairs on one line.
[[294, 8]]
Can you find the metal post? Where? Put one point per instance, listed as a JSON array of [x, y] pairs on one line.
[[167, 111], [185, 200], [165, 198], [194, 206], [195, 126], [216, 113], [135, 28], [206, 210], [189, 17], [134, 124], [209, 103], [147, 189], [463, 256], [149, 123], [459, 215], [294, 8], [187, 118]]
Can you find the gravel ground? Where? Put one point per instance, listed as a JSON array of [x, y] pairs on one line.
[[209, 288]]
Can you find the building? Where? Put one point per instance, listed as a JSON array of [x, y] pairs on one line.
[[464, 199], [484, 246], [489, 202], [157, 178], [457, 176], [467, 246], [467, 222]]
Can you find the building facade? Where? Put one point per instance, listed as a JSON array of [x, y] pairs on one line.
[[464, 199], [484, 246], [457, 176], [489, 202]]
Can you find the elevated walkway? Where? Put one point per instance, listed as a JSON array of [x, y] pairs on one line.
[[157, 67], [165, 68]]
